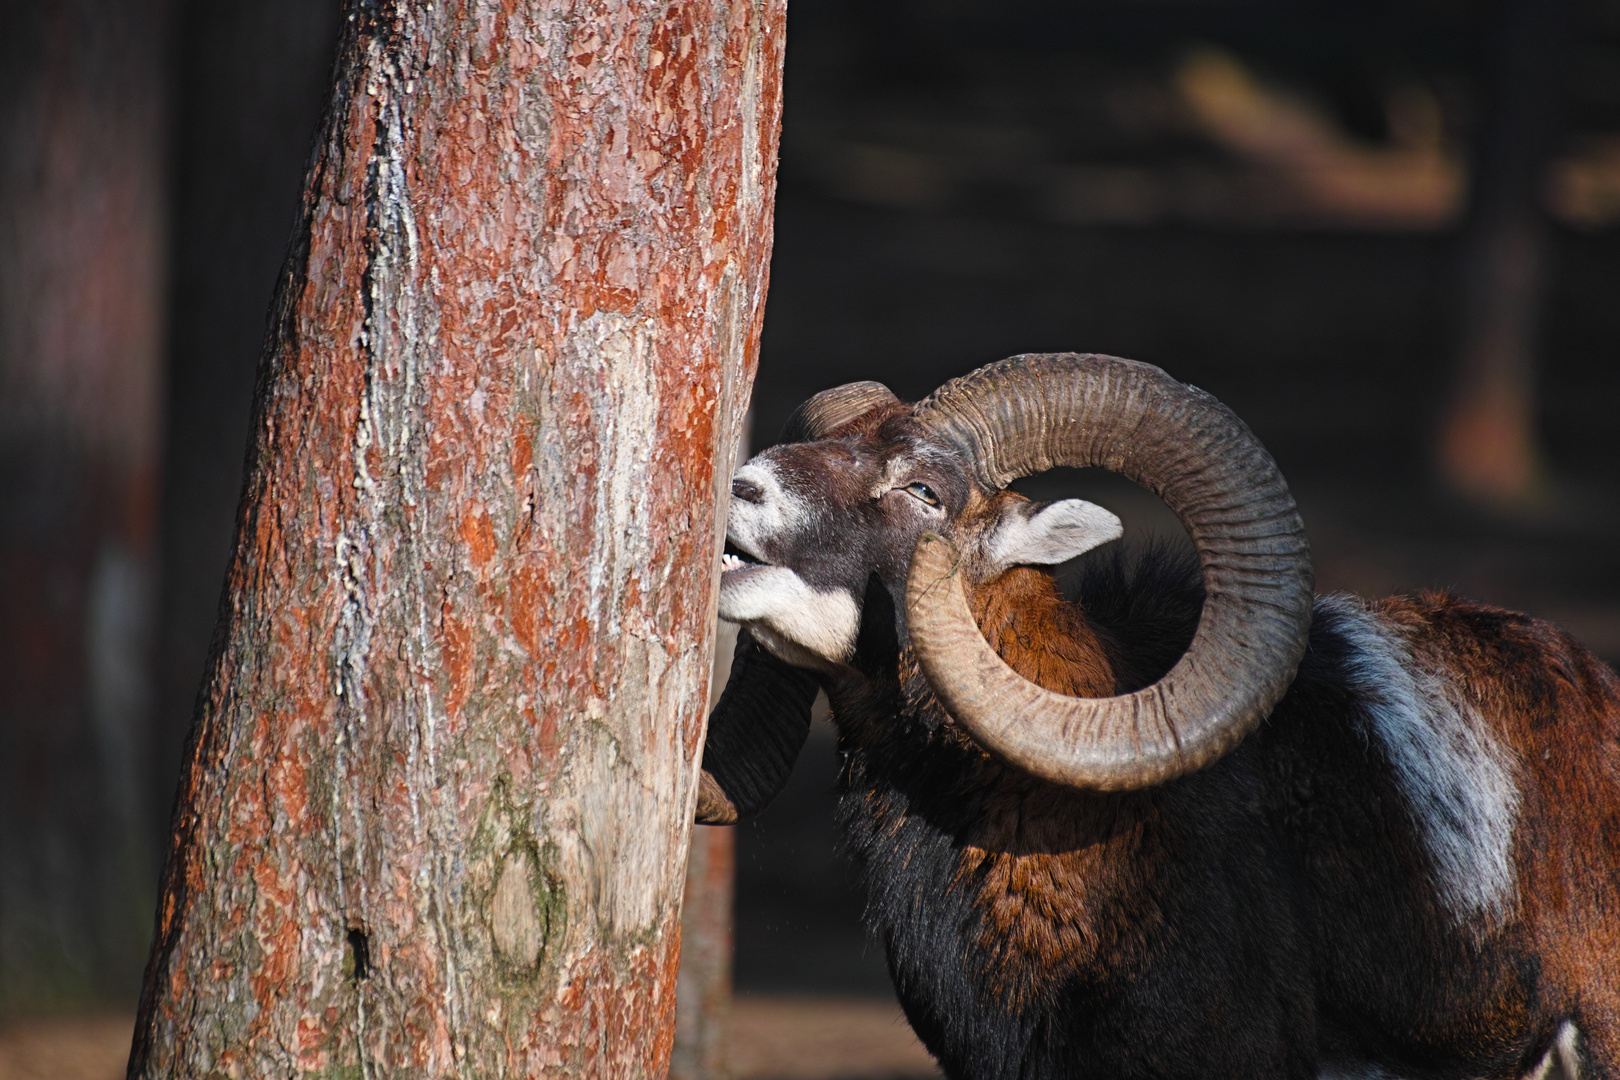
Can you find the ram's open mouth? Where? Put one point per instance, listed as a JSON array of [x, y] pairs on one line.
[[735, 558]]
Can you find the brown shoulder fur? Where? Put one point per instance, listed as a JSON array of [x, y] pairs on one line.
[[1042, 636], [1043, 861]]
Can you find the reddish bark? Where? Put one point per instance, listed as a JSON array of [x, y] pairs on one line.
[[703, 1004], [435, 811]]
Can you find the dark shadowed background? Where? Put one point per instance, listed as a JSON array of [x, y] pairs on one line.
[[1271, 201], [1384, 232]]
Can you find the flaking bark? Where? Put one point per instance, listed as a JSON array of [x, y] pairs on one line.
[[435, 809]]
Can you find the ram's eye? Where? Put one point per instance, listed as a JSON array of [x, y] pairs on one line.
[[922, 491]]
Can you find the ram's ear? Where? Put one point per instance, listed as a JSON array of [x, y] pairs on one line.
[[1045, 534], [755, 734]]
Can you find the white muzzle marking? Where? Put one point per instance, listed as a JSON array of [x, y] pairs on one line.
[[778, 599], [774, 598]]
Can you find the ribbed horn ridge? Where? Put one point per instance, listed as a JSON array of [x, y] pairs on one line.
[[832, 409], [1035, 412]]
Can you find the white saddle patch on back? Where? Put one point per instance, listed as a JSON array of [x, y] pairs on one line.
[[1456, 776]]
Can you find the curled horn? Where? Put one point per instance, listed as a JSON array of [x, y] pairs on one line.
[[832, 409], [1031, 413]]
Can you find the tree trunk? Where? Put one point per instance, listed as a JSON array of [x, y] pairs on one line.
[[703, 995], [82, 202], [1489, 451], [436, 803]]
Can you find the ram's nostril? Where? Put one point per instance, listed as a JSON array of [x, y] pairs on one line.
[[747, 491]]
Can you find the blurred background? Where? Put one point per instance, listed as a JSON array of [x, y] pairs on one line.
[[1386, 233]]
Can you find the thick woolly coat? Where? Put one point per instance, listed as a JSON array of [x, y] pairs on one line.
[[1413, 865]]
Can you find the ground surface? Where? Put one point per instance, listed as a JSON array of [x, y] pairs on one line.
[[773, 1038], [810, 1038], [66, 1048]]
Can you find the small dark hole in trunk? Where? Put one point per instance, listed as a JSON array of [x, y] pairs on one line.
[[360, 949]]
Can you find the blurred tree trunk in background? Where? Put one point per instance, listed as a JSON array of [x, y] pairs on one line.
[[436, 800], [83, 99], [239, 167], [1489, 450], [703, 995]]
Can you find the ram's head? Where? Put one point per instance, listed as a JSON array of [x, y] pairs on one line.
[[866, 492]]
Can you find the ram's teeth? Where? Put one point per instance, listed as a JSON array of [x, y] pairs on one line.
[[730, 562]]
